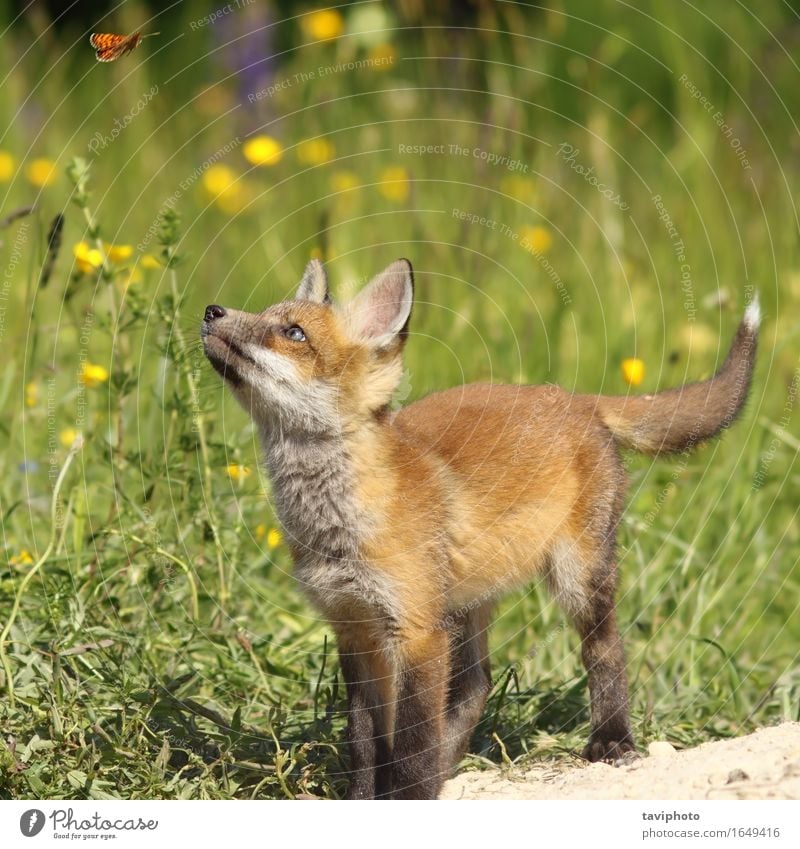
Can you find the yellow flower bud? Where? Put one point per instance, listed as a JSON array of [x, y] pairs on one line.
[[633, 371]]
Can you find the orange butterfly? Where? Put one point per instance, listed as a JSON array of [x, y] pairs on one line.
[[109, 47]]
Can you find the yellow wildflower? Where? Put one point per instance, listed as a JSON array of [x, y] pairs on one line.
[[315, 151], [118, 253], [344, 181], [67, 436], [41, 172], [537, 240], [219, 179], [7, 164], [633, 371], [93, 375], [274, 538], [31, 394], [150, 262], [261, 531], [225, 186], [87, 259], [24, 558], [237, 473], [323, 25], [263, 150], [395, 184]]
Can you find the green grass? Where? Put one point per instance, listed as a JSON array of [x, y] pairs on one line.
[[161, 649]]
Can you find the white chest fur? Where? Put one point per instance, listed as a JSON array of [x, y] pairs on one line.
[[313, 486]]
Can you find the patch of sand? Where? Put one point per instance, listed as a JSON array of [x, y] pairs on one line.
[[762, 765]]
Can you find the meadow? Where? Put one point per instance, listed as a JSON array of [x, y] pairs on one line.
[[589, 193]]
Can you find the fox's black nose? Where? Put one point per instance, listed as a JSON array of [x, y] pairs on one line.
[[214, 311]]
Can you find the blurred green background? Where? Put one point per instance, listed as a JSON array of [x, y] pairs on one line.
[[589, 193]]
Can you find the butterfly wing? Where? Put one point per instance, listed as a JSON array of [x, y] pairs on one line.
[[109, 47], [108, 54], [104, 40]]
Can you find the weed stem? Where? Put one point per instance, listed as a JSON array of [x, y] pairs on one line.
[[34, 570]]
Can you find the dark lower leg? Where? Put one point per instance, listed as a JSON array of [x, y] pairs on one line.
[[422, 690], [360, 729], [604, 659], [470, 682], [370, 700]]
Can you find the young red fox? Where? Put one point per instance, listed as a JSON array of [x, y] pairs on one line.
[[405, 526]]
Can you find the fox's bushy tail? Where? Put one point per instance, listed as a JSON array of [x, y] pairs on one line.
[[677, 419]]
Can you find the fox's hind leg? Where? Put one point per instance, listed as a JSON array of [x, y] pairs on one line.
[[604, 658], [586, 592], [583, 575], [470, 681]]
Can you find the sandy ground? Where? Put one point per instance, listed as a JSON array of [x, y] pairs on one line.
[[763, 765]]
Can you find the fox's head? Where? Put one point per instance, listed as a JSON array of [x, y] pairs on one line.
[[312, 365]]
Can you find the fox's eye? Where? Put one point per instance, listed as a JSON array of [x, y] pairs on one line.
[[295, 333]]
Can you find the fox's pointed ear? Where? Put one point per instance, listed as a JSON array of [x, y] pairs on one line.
[[314, 285], [379, 314]]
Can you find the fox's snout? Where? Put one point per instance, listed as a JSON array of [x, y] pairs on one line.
[[213, 311]]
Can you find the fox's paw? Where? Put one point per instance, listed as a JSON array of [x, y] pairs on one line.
[[616, 752]]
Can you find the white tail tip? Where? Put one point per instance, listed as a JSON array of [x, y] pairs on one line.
[[752, 315]]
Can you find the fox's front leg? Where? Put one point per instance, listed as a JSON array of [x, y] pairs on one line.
[[370, 709], [421, 703]]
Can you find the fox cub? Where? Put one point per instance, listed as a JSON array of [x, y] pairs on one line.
[[406, 525]]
